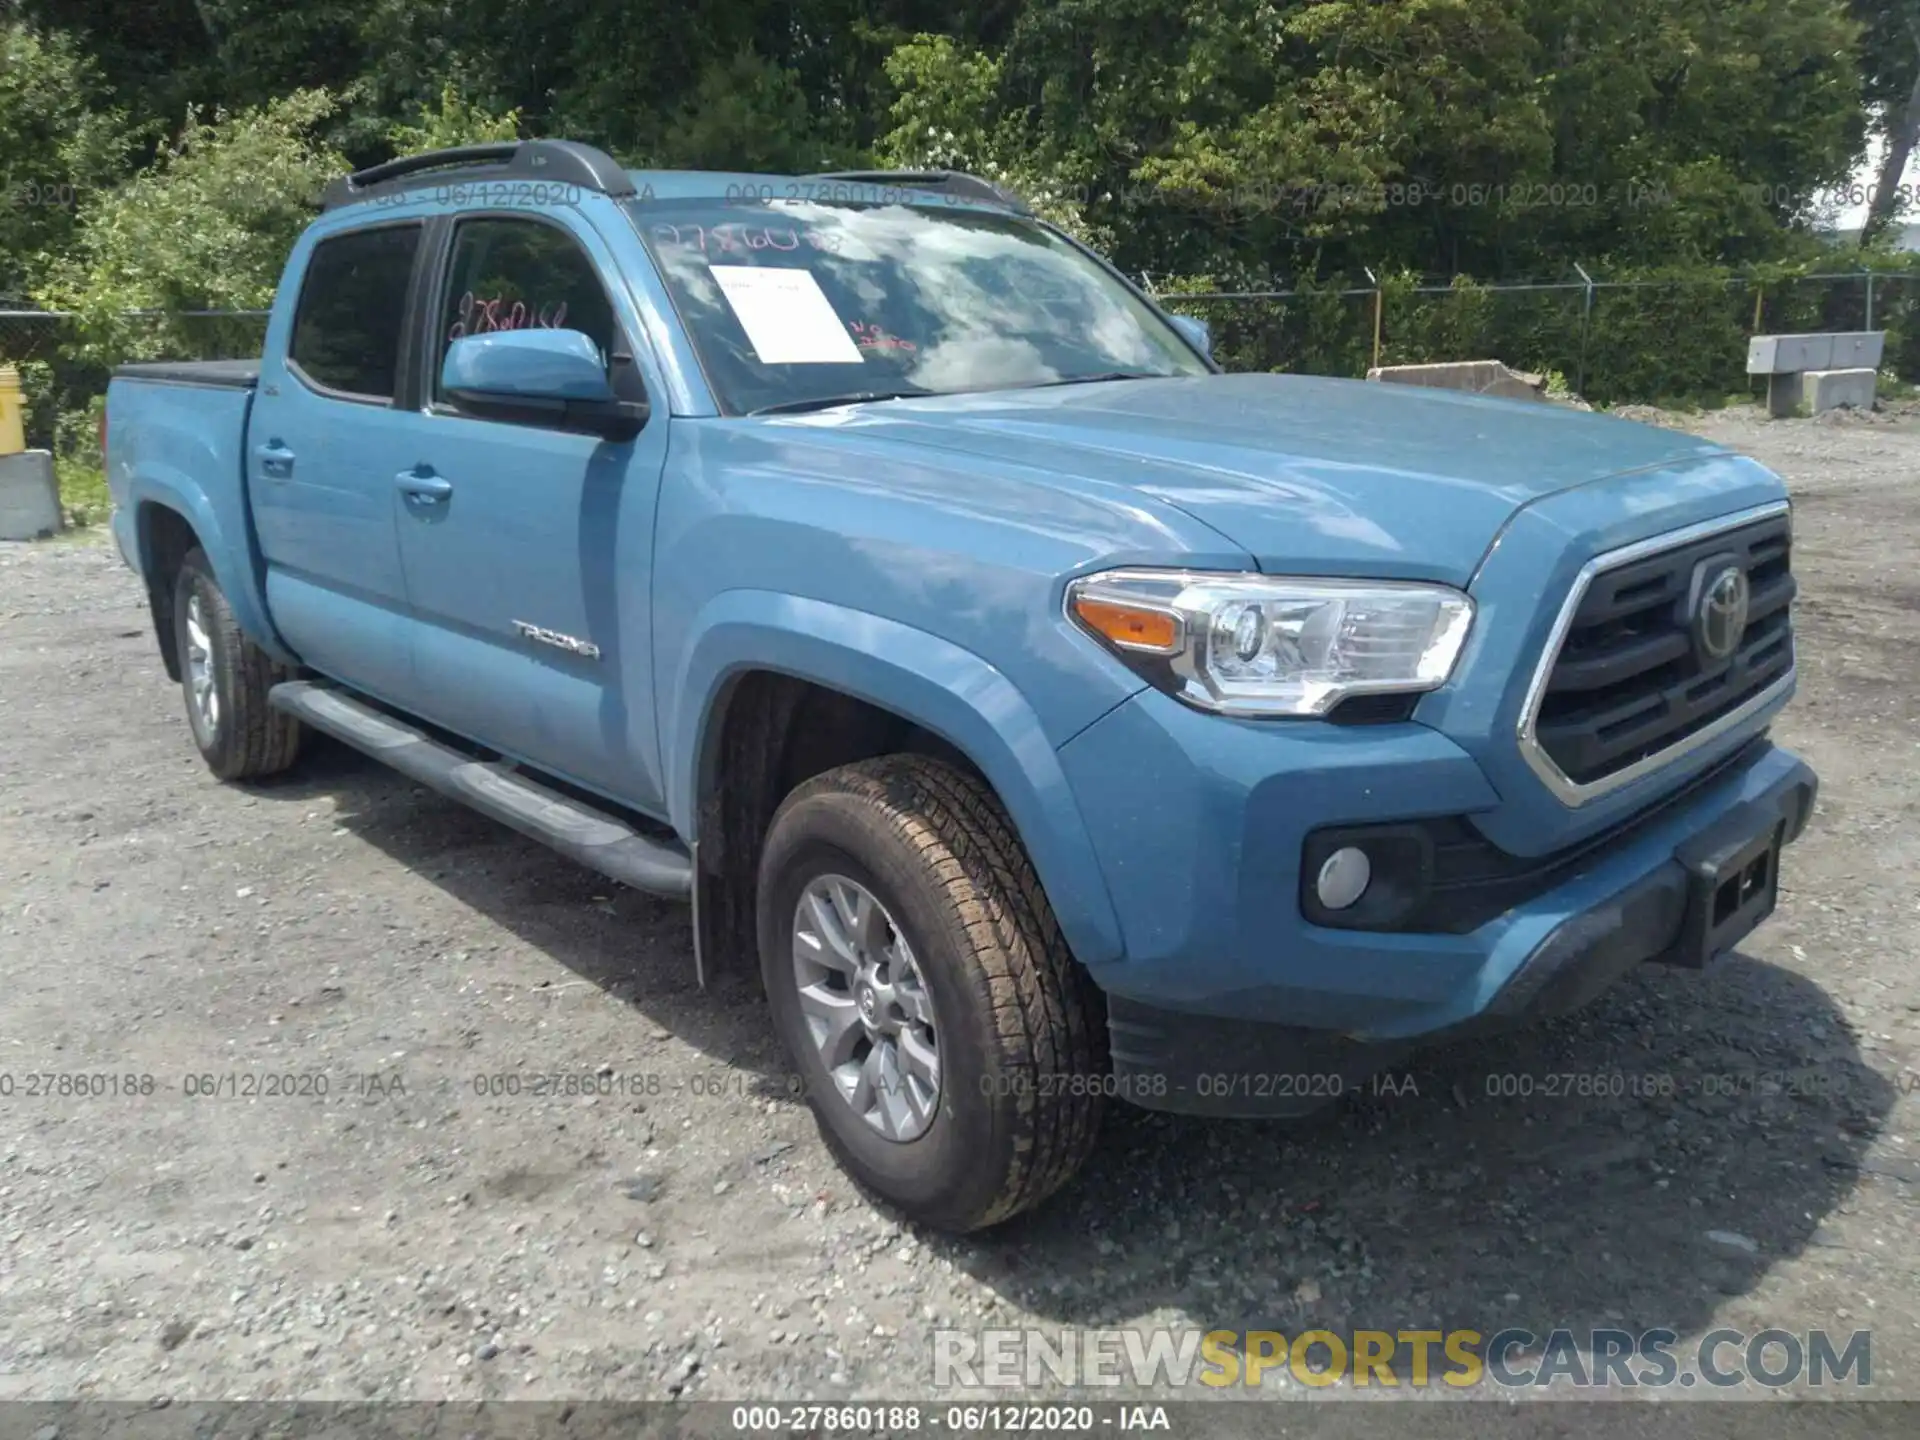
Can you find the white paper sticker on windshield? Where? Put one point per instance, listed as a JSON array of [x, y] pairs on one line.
[[788, 320]]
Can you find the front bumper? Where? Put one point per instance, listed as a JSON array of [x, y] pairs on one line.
[[1204, 1065], [1225, 987]]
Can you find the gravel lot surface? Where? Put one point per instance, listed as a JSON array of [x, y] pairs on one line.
[[404, 1236]]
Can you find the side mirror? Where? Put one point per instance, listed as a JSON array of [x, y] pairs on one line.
[[550, 366], [1199, 334]]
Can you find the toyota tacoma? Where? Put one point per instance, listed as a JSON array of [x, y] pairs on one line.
[[1051, 718]]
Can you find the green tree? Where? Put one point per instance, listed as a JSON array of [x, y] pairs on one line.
[[452, 120], [1704, 126], [1213, 144], [207, 226], [1254, 138], [1890, 71], [60, 142], [153, 56], [747, 113]]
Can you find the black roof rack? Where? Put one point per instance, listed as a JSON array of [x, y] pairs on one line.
[[947, 182], [552, 162]]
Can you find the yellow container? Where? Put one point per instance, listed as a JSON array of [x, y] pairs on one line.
[[13, 434]]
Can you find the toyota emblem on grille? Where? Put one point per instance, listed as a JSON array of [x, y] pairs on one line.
[[1720, 617]]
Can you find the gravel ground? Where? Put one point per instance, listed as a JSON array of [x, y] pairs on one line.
[[403, 1236]]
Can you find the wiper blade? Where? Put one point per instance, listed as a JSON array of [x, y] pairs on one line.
[[827, 402], [1103, 375], [859, 397]]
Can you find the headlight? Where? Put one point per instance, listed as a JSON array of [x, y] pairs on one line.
[[1269, 645]]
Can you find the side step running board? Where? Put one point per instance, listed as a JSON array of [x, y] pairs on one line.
[[578, 831]]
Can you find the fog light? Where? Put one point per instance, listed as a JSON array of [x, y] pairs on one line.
[[1344, 877]]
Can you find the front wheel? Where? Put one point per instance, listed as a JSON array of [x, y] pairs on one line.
[[950, 1046], [225, 678]]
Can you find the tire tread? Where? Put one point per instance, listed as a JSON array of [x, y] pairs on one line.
[[1046, 1012], [257, 740]]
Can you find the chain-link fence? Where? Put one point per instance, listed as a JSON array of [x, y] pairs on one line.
[[1612, 341]]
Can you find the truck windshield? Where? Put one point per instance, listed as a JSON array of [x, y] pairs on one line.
[[794, 304]]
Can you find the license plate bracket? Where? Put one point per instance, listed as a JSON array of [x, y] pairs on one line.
[[1733, 883]]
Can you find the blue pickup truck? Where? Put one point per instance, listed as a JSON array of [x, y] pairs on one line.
[[1054, 717]]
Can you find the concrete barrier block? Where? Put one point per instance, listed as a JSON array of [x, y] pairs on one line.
[[1791, 354], [1859, 351], [1840, 389], [1788, 354], [1478, 377], [29, 496]]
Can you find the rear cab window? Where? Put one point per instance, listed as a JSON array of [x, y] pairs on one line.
[[348, 325]]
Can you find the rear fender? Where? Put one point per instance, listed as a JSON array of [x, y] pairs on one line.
[[232, 557]]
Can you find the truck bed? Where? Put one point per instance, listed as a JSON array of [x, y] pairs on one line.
[[177, 437], [226, 374]]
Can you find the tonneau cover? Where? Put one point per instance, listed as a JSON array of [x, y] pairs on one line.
[[228, 374]]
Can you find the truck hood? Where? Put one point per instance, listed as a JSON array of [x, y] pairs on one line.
[[1327, 476]]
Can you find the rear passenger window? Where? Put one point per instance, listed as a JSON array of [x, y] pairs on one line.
[[521, 275], [346, 333]]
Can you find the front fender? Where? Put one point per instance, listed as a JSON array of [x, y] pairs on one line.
[[949, 691], [230, 556]]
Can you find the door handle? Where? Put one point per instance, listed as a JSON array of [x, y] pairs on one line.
[[276, 460], [423, 487]]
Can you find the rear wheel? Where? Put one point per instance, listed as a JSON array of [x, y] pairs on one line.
[[225, 678], [951, 1048]]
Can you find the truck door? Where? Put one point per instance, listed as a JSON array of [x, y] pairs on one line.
[[321, 447], [528, 546]]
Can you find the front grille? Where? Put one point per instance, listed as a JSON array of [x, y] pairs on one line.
[[1633, 678]]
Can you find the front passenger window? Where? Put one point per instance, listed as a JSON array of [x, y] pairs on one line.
[[517, 275]]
